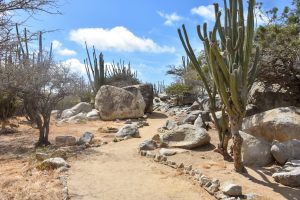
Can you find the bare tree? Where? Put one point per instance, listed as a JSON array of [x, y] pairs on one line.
[[38, 81]]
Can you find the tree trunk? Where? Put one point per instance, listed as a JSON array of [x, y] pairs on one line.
[[235, 125]]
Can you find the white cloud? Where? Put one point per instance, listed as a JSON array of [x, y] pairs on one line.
[[57, 46], [170, 18], [207, 12], [117, 39], [75, 65]]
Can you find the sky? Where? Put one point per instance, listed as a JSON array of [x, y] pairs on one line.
[[142, 32]]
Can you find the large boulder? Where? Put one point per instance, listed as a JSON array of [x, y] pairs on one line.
[[255, 151], [81, 107], [280, 124], [284, 151], [128, 130], [289, 175], [185, 136], [117, 103], [272, 96], [147, 92]]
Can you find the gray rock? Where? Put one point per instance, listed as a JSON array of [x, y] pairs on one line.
[[199, 123], [205, 115], [288, 150], [189, 119], [81, 107], [128, 130], [147, 92], [204, 102], [194, 106], [65, 140], [289, 175], [117, 103], [77, 117], [255, 151], [171, 152], [170, 124], [148, 145], [203, 180], [54, 163], [273, 96], [93, 115], [279, 124], [232, 189], [86, 138], [186, 136]]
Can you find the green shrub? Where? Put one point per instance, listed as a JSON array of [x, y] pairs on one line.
[[178, 89]]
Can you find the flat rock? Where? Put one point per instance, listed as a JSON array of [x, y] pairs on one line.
[[232, 189], [54, 163], [186, 136], [65, 140], [171, 152], [148, 145], [128, 130]]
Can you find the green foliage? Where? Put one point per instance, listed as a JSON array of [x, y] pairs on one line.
[[280, 41], [178, 89], [8, 105]]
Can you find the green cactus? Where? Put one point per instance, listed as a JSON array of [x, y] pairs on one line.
[[228, 50], [95, 71]]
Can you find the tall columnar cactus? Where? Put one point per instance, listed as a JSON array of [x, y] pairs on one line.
[[228, 49], [95, 70]]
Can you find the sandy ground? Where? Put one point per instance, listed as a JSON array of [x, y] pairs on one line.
[[116, 171]]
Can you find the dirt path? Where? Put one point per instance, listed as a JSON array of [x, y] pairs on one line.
[[116, 171]]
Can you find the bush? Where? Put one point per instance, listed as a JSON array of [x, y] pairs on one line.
[[178, 89]]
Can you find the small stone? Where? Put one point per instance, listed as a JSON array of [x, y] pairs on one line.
[[220, 195], [148, 145], [65, 140], [53, 163], [150, 154], [128, 121], [203, 180], [214, 187], [143, 153], [232, 189], [86, 138], [181, 166], [189, 168], [157, 158]]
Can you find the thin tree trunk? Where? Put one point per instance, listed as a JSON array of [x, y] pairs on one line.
[[235, 125]]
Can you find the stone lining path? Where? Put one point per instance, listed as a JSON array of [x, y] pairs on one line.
[[117, 172]]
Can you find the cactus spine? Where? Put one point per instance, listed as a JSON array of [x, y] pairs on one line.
[[95, 71], [228, 50]]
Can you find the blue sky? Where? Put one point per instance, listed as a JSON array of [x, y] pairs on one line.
[[143, 32]]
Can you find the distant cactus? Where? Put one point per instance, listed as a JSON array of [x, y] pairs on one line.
[[95, 70], [229, 63], [120, 75]]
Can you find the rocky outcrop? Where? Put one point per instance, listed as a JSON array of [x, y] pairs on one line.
[[279, 124], [117, 103], [185, 136], [273, 96], [284, 151], [255, 151], [289, 175]]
